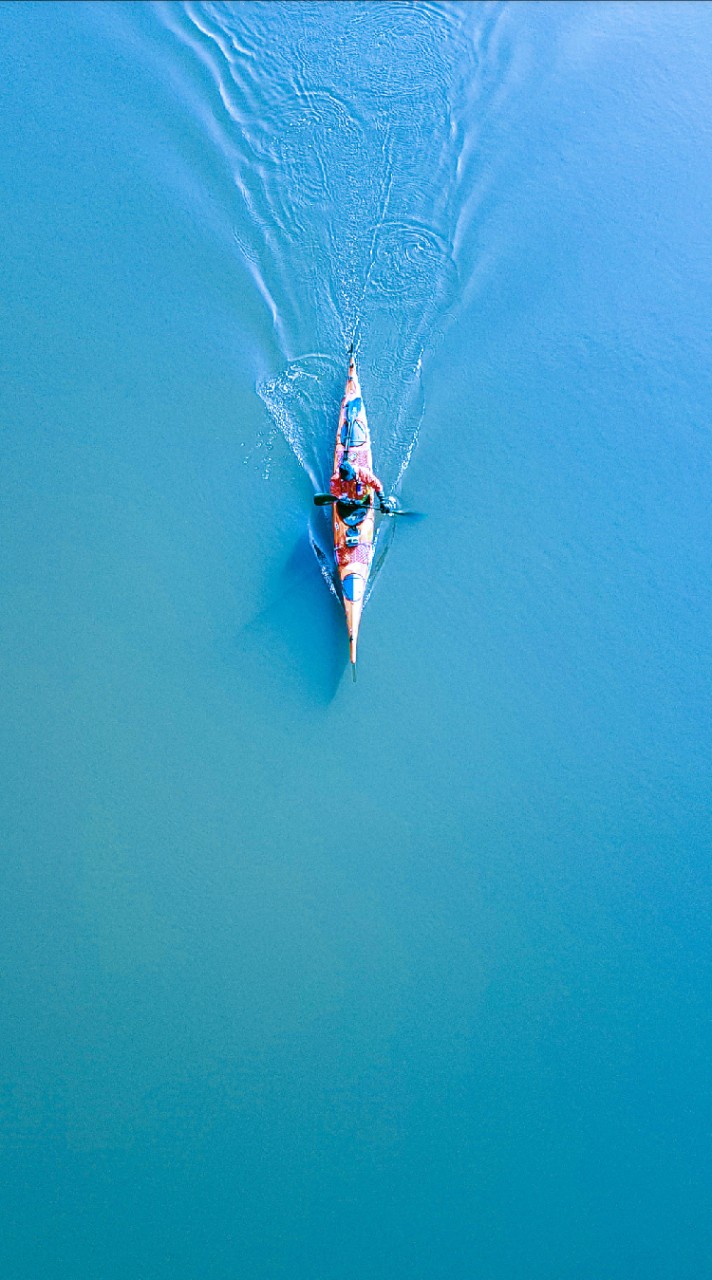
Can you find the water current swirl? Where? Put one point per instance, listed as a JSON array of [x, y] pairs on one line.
[[346, 139]]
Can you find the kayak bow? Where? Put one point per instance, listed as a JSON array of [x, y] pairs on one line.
[[353, 542]]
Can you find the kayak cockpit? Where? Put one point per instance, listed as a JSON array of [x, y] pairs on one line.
[[351, 514]]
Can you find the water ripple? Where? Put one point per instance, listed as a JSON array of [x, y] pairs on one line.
[[352, 136]]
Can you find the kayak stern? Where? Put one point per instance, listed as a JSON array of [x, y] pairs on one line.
[[353, 619]]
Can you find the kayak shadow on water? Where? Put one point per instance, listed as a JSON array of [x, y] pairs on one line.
[[302, 629]]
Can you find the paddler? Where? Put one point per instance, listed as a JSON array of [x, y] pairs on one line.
[[358, 484]]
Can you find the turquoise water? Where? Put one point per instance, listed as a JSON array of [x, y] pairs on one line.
[[410, 978]]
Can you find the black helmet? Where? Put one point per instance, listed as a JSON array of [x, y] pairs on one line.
[[346, 471]]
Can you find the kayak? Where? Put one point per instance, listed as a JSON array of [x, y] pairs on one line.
[[353, 532]]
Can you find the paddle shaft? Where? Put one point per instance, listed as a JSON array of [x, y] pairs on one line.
[[327, 499]]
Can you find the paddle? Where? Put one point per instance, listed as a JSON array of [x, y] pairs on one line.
[[326, 500]]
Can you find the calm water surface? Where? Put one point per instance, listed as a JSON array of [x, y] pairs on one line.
[[304, 980]]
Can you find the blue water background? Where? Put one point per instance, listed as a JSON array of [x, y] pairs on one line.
[[410, 978]]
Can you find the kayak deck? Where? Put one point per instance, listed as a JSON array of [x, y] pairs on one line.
[[353, 544]]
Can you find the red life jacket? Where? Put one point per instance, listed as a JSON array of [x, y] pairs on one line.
[[358, 490]]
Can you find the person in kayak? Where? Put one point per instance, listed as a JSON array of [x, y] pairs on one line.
[[358, 484]]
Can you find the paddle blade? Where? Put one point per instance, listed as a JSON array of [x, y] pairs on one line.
[[323, 499]]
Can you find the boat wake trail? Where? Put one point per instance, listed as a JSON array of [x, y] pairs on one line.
[[301, 402], [345, 139]]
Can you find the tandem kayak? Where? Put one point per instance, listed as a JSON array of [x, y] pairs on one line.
[[353, 531]]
